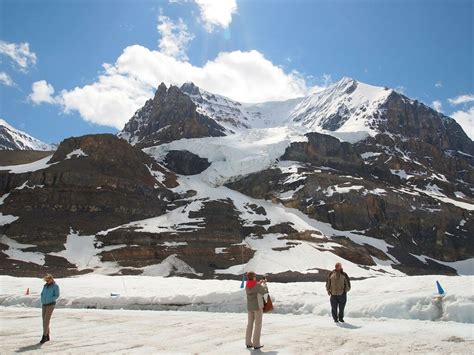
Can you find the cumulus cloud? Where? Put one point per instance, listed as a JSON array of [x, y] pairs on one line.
[[438, 84], [124, 86], [42, 92], [401, 89], [216, 13], [437, 105], [5, 79], [174, 37], [466, 120], [19, 54], [461, 99]]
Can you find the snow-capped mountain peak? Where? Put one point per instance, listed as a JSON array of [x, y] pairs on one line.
[[190, 88], [14, 139], [227, 112], [346, 106]]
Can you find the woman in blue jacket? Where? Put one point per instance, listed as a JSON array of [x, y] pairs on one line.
[[49, 295]]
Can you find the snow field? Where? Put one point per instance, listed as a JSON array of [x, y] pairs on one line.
[[235, 155], [411, 297], [82, 331]]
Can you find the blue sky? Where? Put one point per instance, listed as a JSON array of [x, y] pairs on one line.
[[248, 50]]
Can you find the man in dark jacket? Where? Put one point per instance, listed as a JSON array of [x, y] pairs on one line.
[[337, 285], [49, 296]]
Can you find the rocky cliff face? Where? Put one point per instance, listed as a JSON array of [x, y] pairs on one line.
[[169, 116], [413, 207], [185, 163], [89, 184], [408, 118], [324, 150]]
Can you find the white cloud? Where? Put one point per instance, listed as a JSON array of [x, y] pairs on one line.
[[401, 89], [20, 54], [5, 79], [42, 92], [461, 99], [466, 120], [326, 79], [174, 37], [438, 84], [437, 105], [125, 86], [216, 13]]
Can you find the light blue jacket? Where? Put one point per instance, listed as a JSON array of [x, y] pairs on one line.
[[50, 294]]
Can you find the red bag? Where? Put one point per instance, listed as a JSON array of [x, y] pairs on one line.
[[267, 305]]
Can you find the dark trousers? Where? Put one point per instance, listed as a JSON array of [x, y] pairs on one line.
[[338, 301]]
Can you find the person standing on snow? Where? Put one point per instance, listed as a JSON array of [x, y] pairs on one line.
[[337, 285], [49, 295], [255, 302]]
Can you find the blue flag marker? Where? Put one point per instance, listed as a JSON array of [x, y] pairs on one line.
[[440, 289], [242, 284]]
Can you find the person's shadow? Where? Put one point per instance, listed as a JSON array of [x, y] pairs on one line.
[[29, 348], [348, 326]]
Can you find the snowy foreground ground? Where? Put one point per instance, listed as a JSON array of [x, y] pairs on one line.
[[105, 314], [114, 331]]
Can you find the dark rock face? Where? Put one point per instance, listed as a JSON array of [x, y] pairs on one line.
[[412, 119], [169, 116], [356, 188], [324, 150], [185, 163], [190, 89], [221, 227], [107, 182]]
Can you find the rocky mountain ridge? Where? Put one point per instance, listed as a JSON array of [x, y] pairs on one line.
[[14, 139], [169, 116]]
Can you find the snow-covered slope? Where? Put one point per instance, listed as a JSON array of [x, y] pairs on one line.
[[346, 107], [235, 155], [12, 139], [237, 116]]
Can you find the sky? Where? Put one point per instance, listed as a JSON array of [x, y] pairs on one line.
[[69, 68]]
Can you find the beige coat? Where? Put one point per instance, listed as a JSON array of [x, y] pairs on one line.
[[255, 297], [337, 283]]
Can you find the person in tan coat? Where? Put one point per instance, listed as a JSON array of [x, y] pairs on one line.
[[255, 302], [337, 285]]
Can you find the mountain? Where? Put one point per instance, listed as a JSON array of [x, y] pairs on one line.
[[169, 116], [349, 110], [13, 139], [204, 186], [236, 116], [89, 183]]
